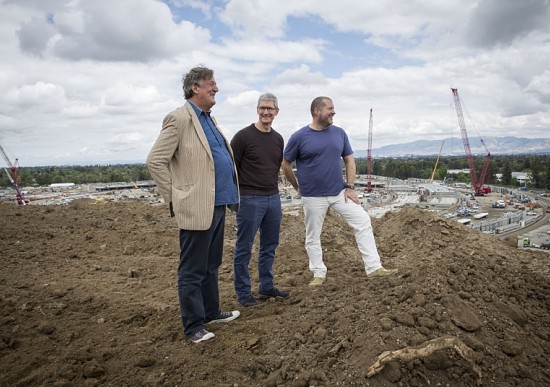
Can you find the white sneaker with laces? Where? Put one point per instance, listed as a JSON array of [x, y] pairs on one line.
[[225, 317], [201, 335]]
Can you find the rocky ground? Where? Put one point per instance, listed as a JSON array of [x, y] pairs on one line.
[[88, 298]]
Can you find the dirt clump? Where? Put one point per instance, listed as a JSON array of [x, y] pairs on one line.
[[88, 297]]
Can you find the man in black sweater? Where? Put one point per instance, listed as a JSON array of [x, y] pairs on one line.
[[258, 152]]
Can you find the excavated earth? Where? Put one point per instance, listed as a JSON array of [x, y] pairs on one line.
[[88, 298]]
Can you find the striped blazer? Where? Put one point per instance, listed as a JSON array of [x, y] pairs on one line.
[[182, 166]]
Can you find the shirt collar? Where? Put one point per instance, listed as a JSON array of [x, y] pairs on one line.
[[197, 110]]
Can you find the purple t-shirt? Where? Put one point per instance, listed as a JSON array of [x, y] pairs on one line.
[[318, 156]]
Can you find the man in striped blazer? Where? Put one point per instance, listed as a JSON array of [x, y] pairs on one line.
[[193, 167]]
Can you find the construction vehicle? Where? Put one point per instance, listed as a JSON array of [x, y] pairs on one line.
[[477, 184], [369, 156], [12, 176], [499, 204]]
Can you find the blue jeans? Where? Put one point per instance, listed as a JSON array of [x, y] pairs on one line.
[[263, 213], [200, 257]]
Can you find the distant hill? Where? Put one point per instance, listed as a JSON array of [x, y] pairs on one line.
[[453, 147]]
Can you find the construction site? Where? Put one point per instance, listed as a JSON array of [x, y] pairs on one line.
[[88, 292], [89, 297], [490, 209]]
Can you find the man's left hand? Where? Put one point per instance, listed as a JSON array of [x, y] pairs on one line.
[[351, 195]]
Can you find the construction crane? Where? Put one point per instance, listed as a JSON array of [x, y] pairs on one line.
[[436, 162], [369, 156], [479, 189], [12, 176]]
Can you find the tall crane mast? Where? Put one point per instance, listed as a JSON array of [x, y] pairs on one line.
[[479, 189], [12, 176], [369, 155]]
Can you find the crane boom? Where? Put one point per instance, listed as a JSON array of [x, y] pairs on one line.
[[5, 156], [13, 177], [436, 162], [369, 155], [476, 183]]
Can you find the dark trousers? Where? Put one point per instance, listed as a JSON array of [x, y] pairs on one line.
[[263, 213], [200, 257]]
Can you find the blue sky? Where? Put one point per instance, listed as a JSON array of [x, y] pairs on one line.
[[87, 82]]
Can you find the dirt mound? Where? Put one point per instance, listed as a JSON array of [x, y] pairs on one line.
[[88, 297]]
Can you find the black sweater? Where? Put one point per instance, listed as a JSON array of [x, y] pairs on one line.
[[258, 156]]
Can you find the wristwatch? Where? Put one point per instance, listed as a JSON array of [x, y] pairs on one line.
[[350, 186]]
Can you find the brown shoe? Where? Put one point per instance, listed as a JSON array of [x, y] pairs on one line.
[[317, 281], [382, 273]]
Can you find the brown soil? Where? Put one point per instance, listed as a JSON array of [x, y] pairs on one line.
[[88, 297]]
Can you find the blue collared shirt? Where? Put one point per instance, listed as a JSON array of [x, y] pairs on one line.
[[226, 187]]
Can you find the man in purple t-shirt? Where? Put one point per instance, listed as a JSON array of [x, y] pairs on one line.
[[258, 152], [318, 150]]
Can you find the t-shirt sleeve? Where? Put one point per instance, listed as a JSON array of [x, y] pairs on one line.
[[347, 150], [291, 150]]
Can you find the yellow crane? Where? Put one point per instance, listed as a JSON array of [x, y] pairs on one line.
[[436, 162]]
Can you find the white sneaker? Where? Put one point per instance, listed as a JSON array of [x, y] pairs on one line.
[[225, 317], [201, 335]]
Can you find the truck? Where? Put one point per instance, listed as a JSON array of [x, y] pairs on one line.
[[499, 204]]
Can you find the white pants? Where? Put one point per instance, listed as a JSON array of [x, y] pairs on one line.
[[315, 210]]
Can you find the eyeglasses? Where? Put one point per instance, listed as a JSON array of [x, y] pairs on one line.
[[268, 108]]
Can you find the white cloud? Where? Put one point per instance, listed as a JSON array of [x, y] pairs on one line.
[[538, 87], [129, 97], [257, 18], [71, 22], [275, 51], [124, 30], [35, 35], [80, 111], [41, 96], [205, 6], [90, 81], [301, 75], [500, 22]]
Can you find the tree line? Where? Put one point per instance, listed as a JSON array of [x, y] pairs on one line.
[[537, 167], [78, 174]]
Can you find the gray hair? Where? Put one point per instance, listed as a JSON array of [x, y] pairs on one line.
[[269, 98], [195, 76]]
